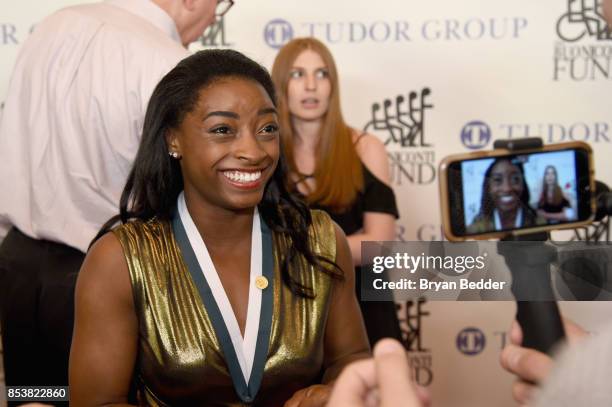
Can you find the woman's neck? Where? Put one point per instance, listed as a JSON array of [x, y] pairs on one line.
[[217, 225], [550, 193], [508, 218], [307, 133]]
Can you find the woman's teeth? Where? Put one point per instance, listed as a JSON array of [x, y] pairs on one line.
[[245, 177]]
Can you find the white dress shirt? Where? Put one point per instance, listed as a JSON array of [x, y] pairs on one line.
[[74, 112]]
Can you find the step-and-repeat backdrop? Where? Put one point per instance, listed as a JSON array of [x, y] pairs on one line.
[[433, 78]]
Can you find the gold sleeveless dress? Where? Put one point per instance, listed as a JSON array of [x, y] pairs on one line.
[[179, 359]]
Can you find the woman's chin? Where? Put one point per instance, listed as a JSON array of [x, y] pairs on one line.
[[508, 209], [244, 203]]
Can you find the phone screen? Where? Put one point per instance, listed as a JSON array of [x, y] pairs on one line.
[[519, 191]]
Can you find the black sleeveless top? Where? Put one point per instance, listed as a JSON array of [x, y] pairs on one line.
[[552, 208], [375, 197]]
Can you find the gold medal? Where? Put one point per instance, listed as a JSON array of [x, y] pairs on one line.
[[261, 282]]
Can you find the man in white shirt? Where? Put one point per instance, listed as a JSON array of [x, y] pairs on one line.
[[70, 130]]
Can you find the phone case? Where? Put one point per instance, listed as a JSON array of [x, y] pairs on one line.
[[444, 198]]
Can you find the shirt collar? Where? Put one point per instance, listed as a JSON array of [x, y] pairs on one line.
[[517, 223], [151, 12]]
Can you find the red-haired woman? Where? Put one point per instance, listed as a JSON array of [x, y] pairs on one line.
[[552, 205], [336, 167]]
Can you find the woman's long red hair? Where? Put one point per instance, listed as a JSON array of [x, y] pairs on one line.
[[338, 173], [557, 192]]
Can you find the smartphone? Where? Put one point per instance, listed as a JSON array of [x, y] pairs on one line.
[[492, 194]]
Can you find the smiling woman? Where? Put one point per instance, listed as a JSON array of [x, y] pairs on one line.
[[505, 199], [229, 144], [219, 286]]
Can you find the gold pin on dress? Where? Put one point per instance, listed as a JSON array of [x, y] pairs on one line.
[[261, 282]]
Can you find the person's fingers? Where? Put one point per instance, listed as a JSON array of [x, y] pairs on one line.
[[394, 383], [516, 333], [296, 399], [528, 364], [523, 392], [371, 399], [423, 395], [292, 402], [316, 396], [354, 384], [573, 331]]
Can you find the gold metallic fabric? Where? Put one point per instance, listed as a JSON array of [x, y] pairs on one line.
[[179, 359]]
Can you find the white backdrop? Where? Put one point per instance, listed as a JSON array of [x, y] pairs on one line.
[[431, 79]]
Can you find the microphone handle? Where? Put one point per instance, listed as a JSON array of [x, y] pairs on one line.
[[541, 324]]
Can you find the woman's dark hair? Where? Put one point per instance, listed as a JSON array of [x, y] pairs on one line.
[[486, 203], [155, 180]]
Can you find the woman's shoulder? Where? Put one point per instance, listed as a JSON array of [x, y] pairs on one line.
[[323, 233], [366, 142], [142, 237], [136, 228], [320, 220], [105, 266], [373, 154], [106, 249], [149, 248]]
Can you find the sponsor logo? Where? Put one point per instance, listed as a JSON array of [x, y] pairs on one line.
[[503, 338], [277, 33], [472, 29], [479, 134], [584, 49], [471, 341], [402, 119], [8, 34], [583, 18], [416, 167], [215, 35], [400, 122], [475, 135], [425, 233], [411, 314]]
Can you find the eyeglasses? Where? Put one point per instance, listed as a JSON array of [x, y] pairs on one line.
[[223, 7]]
